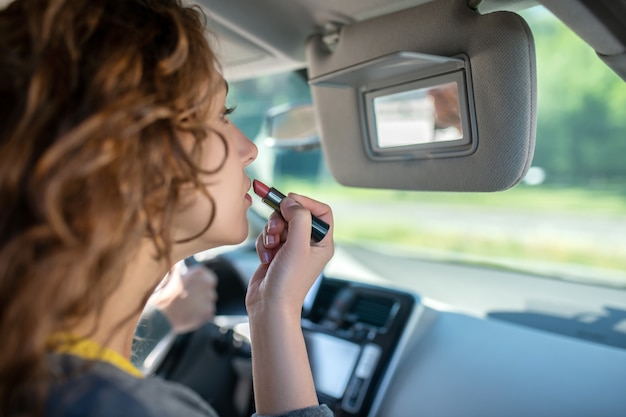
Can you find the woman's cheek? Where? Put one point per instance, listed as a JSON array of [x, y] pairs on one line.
[[214, 152]]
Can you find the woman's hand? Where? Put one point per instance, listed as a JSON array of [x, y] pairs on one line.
[[290, 260], [188, 297], [290, 264]]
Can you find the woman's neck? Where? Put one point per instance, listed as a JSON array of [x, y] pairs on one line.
[[115, 326]]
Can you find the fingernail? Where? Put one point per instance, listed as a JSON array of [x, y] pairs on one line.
[[272, 224], [269, 240], [265, 257]]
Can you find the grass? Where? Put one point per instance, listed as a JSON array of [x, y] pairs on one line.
[[554, 251], [606, 201], [587, 204]]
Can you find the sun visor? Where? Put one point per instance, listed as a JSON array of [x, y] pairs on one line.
[[437, 97]]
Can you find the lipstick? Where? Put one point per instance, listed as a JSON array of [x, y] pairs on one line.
[[272, 197]]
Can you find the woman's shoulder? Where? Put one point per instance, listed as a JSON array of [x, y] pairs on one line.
[[99, 389]]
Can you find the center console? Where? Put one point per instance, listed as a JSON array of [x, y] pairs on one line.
[[351, 331]]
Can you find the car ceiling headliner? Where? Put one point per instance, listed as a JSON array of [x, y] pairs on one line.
[[257, 37], [263, 36]]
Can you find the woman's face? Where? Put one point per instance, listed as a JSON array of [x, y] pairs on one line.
[[228, 187]]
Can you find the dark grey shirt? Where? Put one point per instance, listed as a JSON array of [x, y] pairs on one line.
[[99, 389]]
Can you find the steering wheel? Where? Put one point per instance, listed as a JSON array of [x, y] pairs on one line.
[[214, 360]]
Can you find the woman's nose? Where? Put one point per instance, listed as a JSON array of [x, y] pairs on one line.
[[249, 151]]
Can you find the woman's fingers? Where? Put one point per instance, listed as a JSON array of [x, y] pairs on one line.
[[317, 208], [294, 220], [265, 254], [273, 231], [270, 240], [299, 220]]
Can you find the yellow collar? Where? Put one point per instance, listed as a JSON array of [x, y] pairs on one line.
[[88, 349]]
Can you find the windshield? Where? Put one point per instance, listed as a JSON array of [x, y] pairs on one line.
[[566, 220]]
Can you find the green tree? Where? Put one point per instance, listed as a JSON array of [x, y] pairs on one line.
[[581, 126]]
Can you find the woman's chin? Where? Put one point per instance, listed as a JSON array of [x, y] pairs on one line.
[[234, 237]]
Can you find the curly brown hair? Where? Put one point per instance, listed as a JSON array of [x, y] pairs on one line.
[[93, 97]]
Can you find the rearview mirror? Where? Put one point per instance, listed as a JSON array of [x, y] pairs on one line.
[[292, 127]]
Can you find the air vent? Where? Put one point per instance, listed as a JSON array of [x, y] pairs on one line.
[[372, 310]]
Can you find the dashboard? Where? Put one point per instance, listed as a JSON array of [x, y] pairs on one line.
[[379, 349]]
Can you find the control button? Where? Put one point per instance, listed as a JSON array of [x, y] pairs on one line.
[[353, 392], [368, 361], [359, 334], [370, 355], [354, 396]]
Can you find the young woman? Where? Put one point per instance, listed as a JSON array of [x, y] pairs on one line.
[[117, 159]]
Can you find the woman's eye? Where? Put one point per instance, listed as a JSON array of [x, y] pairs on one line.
[[227, 111]]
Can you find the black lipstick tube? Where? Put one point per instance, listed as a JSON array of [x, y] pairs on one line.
[[319, 228]]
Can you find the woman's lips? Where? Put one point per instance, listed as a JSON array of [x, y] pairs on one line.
[[248, 196]]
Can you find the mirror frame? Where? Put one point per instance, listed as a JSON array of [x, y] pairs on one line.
[[466, 145]]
